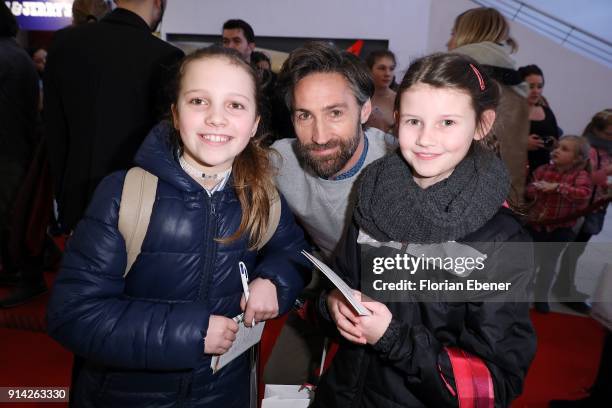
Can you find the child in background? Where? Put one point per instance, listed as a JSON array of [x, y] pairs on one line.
[[147, 339], [599, 134], [559, 190], [442, 185]]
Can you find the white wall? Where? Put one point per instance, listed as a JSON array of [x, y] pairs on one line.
[[403, 23], [576, 87]]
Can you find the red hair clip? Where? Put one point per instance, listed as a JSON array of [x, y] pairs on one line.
[[480, 80]]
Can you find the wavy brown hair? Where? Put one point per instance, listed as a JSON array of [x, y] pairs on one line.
[[251, 170], [482, 24], [599, 122]]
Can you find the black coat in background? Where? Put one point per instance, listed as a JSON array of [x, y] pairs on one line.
[[18, 114], [105, 87]]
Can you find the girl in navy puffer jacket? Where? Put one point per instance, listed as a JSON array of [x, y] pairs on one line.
[[146, 340]]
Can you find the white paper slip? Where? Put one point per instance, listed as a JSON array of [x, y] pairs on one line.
[[246, 338], [338, 283], [283, 396]]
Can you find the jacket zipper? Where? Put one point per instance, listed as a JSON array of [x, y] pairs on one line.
[[357, 401], [209, 245]]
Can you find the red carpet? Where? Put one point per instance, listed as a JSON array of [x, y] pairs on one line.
[[30, 359], [30, 316], [566, 363], [569, 348]]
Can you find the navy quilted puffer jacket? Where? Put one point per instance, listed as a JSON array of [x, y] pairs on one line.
[[141, 338]]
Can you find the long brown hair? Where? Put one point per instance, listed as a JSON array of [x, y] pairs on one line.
[[251, 170], [600, 121]]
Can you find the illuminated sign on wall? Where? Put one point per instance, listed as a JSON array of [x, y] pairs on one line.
[[46, 15]]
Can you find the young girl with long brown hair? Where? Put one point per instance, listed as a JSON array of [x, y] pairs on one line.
[[147, 339]]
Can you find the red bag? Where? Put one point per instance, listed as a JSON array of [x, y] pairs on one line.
[[472, 379]]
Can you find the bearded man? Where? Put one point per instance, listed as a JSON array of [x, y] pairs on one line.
[[328, 93]]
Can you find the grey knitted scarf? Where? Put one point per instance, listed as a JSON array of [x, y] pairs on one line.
[[392, 207]]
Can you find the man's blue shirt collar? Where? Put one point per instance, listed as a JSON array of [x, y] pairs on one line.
[[355, 169]]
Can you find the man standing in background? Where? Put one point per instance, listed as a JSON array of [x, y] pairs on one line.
[[19, 98], [105, 88], [239, 35]]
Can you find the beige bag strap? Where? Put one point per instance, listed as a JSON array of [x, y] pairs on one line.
[[137, 199], [273, 220]]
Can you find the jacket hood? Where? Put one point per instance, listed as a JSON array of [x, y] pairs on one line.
[[156, 155]]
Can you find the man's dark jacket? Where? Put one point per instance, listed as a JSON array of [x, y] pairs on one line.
[[104, 90], [18, 110]]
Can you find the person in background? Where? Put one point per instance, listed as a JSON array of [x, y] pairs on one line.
[[543, 131], [104, 91], [261, 61], [89, 11], [40, 60], [272, 111], [239, 35], [558, 190], [599, 134], [382, 65], [19, 103], [484, 34]]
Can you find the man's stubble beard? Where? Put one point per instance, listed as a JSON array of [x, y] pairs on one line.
[[329, 165]]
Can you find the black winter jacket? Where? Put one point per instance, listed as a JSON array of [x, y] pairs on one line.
[[105, 87], [408, 372], [142, 336]]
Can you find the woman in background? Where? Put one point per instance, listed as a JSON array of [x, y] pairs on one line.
[[543, 131], [382, 65], [484, 34]]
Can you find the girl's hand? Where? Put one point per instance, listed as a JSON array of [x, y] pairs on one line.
[[220, 335], [345, 318], [375, 325], [262, 304], [547, 187]]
